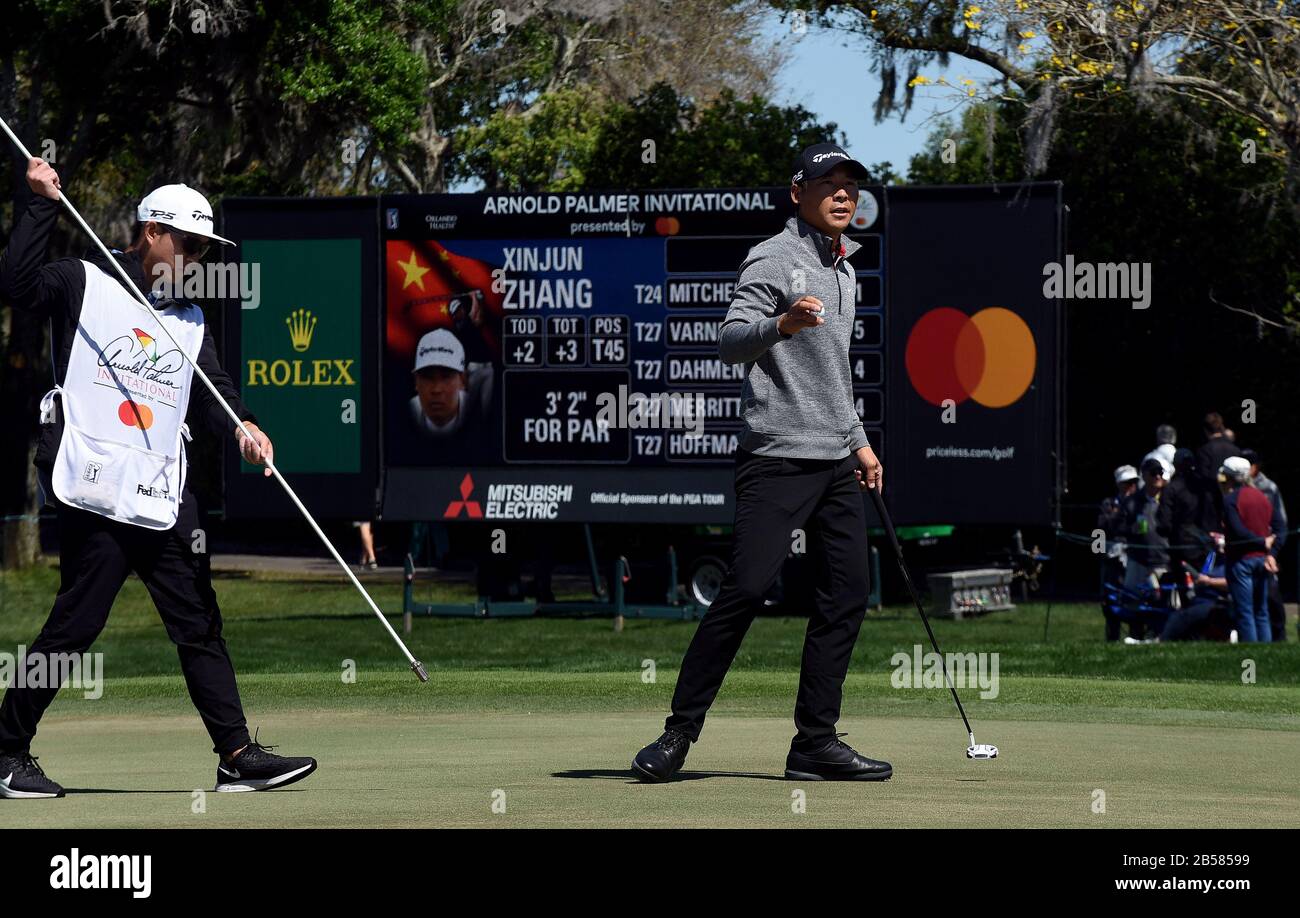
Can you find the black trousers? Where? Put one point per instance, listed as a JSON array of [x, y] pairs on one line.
[[775, 497], [95, 555]]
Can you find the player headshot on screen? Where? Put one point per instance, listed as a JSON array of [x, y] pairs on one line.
[[452, 399]]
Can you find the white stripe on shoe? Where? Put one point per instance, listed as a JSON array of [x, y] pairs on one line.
[[257, 784]]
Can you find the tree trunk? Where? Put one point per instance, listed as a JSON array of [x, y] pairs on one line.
[[22, 532]]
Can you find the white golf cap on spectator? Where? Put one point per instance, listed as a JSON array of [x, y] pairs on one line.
[[440, 348], [1234, 468], [1125, 473], [180, 207]]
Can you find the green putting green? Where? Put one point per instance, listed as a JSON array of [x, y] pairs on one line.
[[544, 717], [555, 769]]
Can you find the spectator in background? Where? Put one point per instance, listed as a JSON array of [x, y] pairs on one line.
[[1146, 530], [1254, 532], [1166, 438], [368, 560], [1276, 608], [1189, 541], [1210, 602], [1110, 520], [1209, 459]]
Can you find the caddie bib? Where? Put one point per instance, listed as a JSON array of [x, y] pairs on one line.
[[124, 401]]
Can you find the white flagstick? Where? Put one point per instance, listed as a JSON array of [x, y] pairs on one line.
[[416, 665]]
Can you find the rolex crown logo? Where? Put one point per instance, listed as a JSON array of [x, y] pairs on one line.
[[301, 325]]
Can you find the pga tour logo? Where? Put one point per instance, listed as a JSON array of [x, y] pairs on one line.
[[103, 871], [91, 474]]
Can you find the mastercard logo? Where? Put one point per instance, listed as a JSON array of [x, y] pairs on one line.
[[988, 357], [133, 414]]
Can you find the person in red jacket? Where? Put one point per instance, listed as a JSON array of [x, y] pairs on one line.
[[1254, 532]]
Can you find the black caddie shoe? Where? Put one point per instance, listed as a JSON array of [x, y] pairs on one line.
[[663, 758], [256, 768], [22, 779], [838, 761]]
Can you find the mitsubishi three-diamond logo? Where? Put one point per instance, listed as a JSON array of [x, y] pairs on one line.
[[472, 508]]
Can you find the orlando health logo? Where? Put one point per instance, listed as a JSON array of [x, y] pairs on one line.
[[988, 357]]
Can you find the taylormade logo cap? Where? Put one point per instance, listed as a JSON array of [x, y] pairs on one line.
[[439, 348], [180, 207], [820, 158]]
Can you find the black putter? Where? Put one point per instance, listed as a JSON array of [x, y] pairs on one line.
[[974, 750]]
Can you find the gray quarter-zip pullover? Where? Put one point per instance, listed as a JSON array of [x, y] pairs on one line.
[[798, 392]]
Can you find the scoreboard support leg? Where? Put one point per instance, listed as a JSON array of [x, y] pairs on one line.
[[596, 589]]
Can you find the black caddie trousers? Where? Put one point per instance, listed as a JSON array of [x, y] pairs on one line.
[[95, 556], [774, 498]]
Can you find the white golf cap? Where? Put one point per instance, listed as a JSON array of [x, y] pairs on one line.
[[440, 348], [1155, 463], [1235, 468], [1125, 473], [180, 207]]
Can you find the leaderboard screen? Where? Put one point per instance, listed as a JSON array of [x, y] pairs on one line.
[[554, 356]]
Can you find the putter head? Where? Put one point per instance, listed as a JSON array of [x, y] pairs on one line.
[[421, 673], [981, 751]]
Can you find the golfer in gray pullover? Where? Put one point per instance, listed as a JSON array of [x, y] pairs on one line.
[[802, 463]]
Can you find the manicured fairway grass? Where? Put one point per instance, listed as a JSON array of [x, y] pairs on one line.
[[550, 712]]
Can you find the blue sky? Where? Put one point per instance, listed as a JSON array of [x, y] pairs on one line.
[[828, 72]]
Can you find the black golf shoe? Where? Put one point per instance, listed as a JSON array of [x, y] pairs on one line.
[[257, 768], [22, 779], [838, 761], [663, 758]]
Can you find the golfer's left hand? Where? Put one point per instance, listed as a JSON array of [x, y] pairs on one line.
[[870, 472], [258, 450]]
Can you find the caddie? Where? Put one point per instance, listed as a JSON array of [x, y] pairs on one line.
[[111, 460]]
